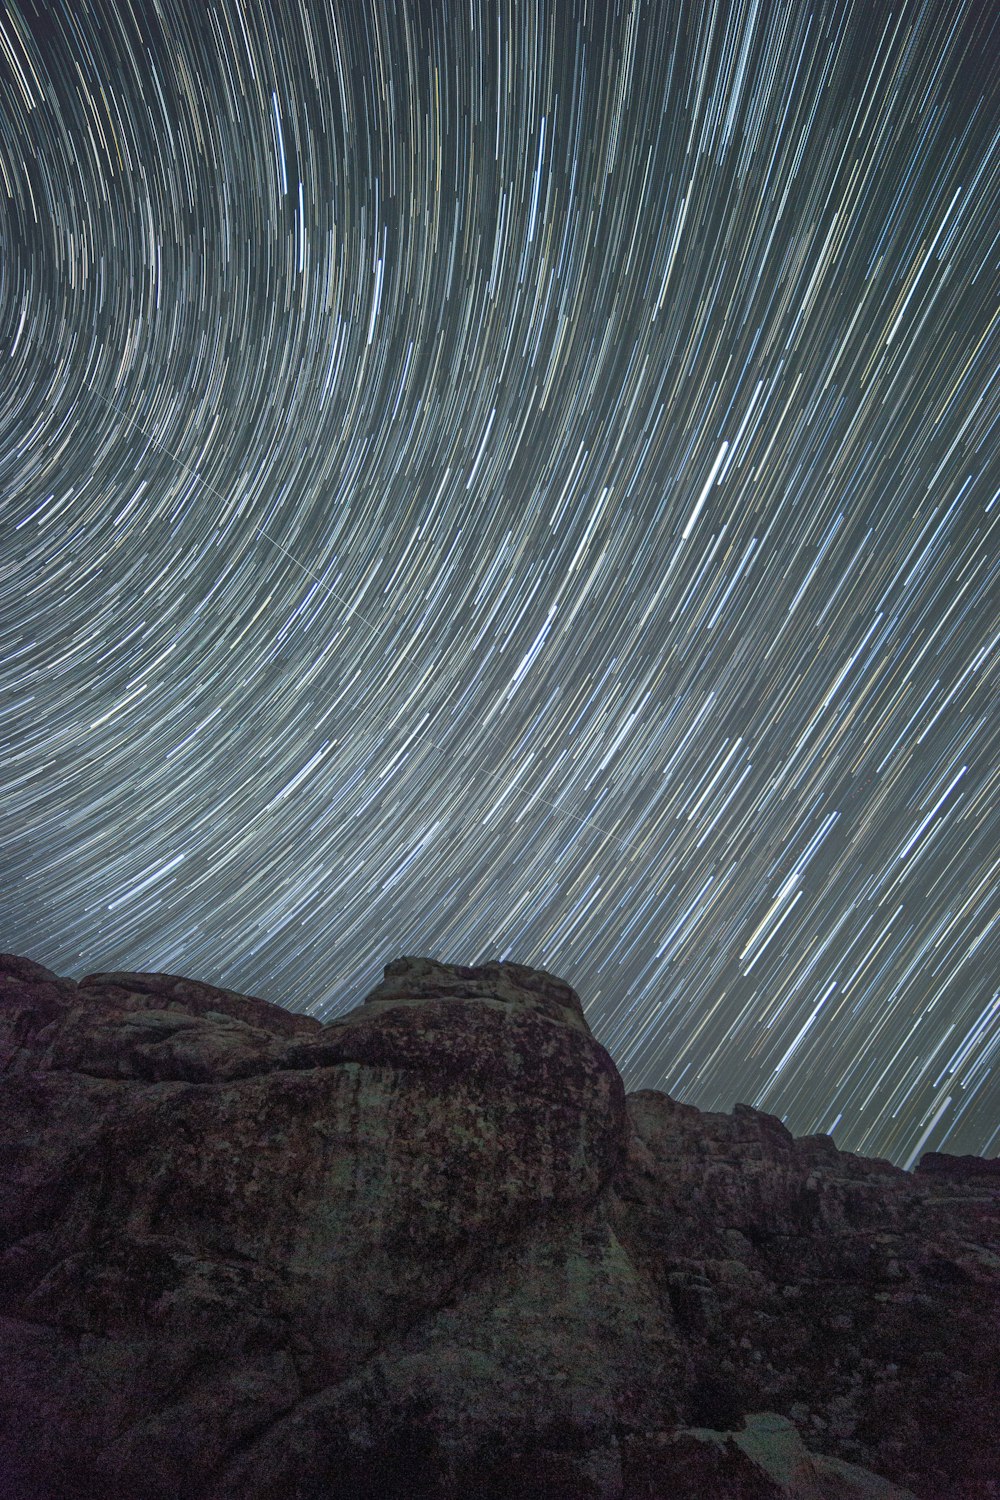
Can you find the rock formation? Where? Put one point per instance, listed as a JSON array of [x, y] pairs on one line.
[[433, 1250]]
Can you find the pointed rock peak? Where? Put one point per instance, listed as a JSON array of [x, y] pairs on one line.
[[414, 981], [746, 1115]]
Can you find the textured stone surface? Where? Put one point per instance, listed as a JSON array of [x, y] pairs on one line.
[[431, 1249]]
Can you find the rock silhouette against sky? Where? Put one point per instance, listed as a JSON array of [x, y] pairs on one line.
[[432, 1249]]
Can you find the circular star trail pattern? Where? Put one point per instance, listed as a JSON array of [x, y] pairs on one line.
[[514, 481]]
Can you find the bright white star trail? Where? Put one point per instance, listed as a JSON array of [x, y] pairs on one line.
[[517, 481]]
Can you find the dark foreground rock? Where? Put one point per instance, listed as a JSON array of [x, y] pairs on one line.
[[432, 1250]]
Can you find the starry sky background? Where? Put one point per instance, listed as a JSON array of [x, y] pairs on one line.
[[517, 481]]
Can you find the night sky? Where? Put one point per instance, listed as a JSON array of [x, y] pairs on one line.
[[517, 481]]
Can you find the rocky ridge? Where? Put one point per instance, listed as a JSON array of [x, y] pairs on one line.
[[432, 1249]]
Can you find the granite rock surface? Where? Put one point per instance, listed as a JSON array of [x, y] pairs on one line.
[[431, 1249]]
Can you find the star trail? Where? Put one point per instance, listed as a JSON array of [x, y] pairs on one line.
[[517, 481]]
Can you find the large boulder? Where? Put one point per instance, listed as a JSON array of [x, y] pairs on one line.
[[431, 1249]]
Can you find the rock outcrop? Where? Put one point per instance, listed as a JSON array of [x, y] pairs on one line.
[[431, 1249]]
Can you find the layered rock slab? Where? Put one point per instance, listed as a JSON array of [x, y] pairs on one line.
[[431, 1249]]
